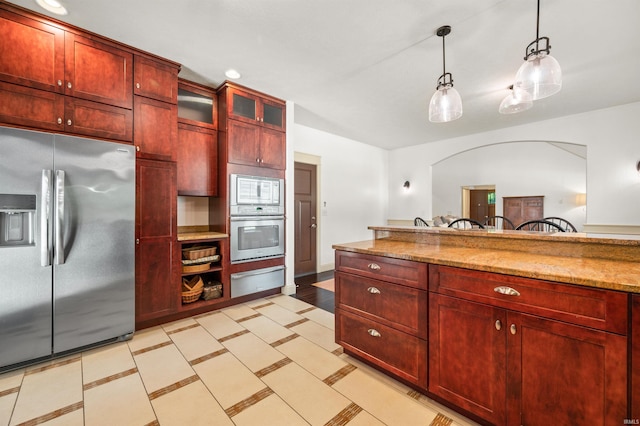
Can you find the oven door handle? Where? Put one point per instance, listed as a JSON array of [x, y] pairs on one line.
[[256, 272], [246, 218]]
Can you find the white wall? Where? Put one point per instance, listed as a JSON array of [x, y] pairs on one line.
[[613, 149], [353, 188], [516, 169]]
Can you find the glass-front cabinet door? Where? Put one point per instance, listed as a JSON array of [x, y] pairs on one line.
[[254, 109]]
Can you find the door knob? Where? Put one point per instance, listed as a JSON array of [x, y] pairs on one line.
[[314, 226]]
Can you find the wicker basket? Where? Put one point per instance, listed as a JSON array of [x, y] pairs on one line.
[[212, 290], [191, 289], [190, 269], [192, 253]]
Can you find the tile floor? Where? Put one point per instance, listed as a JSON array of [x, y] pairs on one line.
[[271, 361]]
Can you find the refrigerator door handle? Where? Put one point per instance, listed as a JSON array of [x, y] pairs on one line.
[[45, 214], [59, 218]]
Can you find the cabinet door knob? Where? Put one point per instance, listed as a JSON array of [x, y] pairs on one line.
[[59, 120], [60, 83], [374, 266], [373, 290], [513, 329], [137, 85], [507, 291], [69, 84], [69, 122], [373, 332], [498, 325], [138, 148]]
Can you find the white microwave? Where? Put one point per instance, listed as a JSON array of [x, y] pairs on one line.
[[256, 195]]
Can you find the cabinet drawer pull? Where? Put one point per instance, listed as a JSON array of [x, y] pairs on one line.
[[60, 83], [373, 290], [373, 332], [513, 329], [69, 85], [498, 325], [59, 120], [374, 266], [507, 290], [69, 122]]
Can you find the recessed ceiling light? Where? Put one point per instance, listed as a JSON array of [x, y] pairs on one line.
[[52, 6], [232, 74]]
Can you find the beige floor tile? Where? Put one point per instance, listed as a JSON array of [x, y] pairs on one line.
[[148, 338], [312, 357], [121, 402], [290, 303], [162, 367], [380, 376], [306, 394], [74, 418], [228, 379], [322, 317], [11, 379], [279, 314], [318, 334], [258, 302], [383, 402], [7, 403], [364, 418], [220, 325], [176, 325], [106, 361], [253, 351], [195, 342], [267, 329], [190, 405], [270, 411], [238, 312], [46, 391]]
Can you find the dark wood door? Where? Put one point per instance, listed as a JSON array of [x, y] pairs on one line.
[[635, 357], [157, 272], [98, 72], [522, 209], [155, 80], [32, 52], [243, 143], [479, 207], [560, 373], [272, 149], [305, 220], [156, 129], [467, 356], [197, 161]]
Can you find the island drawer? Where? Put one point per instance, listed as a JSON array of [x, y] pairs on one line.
[[591, 307], [400, 354], [401, 307], [399, 271]]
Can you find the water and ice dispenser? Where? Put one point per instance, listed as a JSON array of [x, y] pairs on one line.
[[17, 219]]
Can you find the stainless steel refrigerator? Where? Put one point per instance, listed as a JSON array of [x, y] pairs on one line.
[[67, 217]]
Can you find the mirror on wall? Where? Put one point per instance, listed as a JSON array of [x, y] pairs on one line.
[[555, 170]]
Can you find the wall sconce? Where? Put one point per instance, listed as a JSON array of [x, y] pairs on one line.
[[581, 199], [407, 185]]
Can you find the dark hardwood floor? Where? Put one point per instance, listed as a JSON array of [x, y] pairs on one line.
[[305, 291]]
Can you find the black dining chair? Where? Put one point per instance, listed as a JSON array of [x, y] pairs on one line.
[[418, 221], [563, 223], [539, 225], [498, 222], [466, 223]]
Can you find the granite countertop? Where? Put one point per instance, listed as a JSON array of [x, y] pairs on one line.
[[602, 263]]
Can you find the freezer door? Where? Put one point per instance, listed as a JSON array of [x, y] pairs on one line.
[[94, 257], [25, 284]]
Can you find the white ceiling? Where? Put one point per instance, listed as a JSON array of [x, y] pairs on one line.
[[366, 69]]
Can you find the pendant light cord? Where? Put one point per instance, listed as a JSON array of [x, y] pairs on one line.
[[538, 26], [444, 68]]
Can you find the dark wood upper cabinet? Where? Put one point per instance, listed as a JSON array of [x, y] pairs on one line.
[[155, 129], [243, 105], [197, 104], [97, 71], [197, 161], [155, 79]]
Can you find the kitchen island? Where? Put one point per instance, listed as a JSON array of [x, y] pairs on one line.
[[509, 327]]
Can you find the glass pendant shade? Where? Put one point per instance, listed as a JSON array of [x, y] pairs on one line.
[[517, 100], [540, 75], [445, 105]]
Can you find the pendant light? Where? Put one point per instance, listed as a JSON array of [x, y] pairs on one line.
[[517, 100], [540, 75], [446, 104]]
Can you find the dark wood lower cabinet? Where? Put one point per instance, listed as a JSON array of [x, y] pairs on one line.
[[514, 368], [635, 359], [157, 251]]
